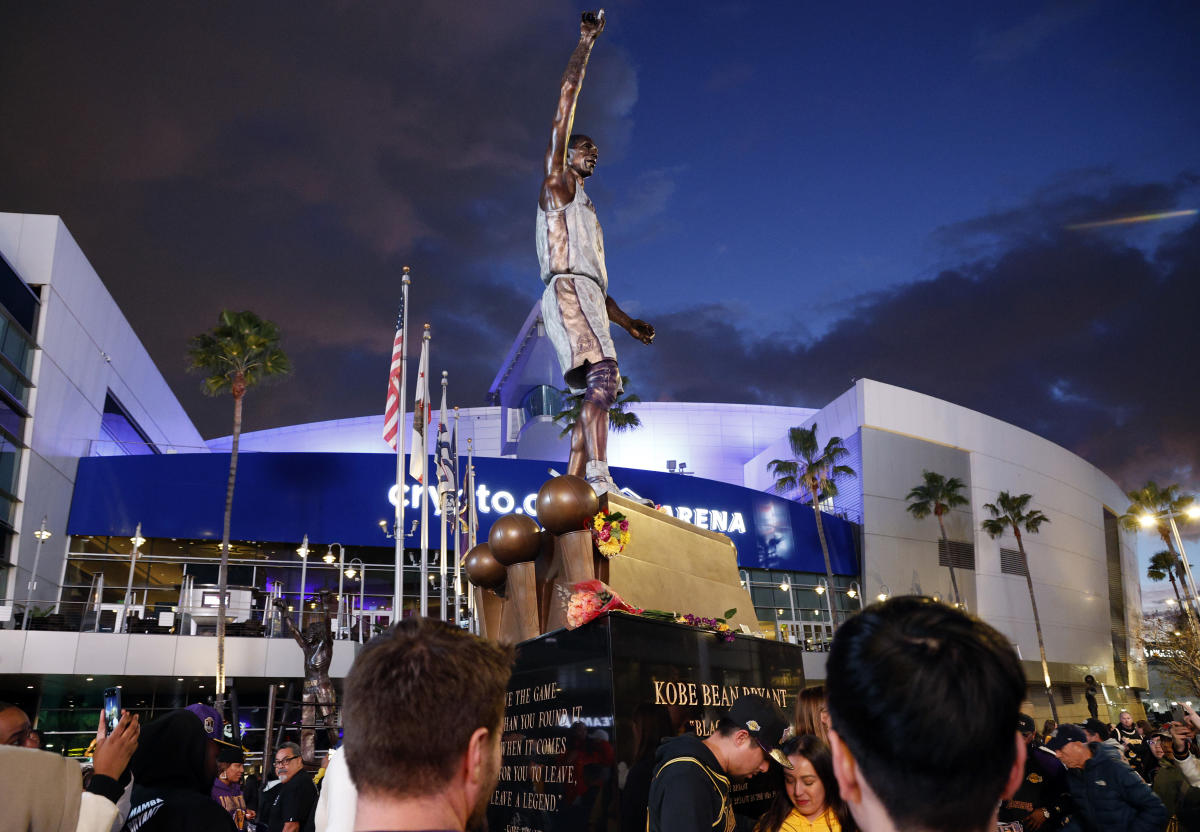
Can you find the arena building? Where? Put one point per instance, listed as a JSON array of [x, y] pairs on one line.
[[97, 444]]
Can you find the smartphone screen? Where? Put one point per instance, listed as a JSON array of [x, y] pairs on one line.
[[112, 708]]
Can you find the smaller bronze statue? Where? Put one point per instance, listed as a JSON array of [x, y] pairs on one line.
[[317, 643]]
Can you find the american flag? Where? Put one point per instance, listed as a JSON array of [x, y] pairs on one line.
[[391, 413]]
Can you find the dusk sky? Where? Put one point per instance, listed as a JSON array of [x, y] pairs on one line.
[[795, 194]]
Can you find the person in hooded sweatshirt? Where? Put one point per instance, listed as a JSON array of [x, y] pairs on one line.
[[173, 770], [690, 789]]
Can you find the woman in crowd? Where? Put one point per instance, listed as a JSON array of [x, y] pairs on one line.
[[227, 787], [811, 716], [809, 800]]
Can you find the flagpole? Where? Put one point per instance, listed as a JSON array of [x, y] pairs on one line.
[[425, 497], [442, 501], [398, 577], [472, 526], [454, 524]]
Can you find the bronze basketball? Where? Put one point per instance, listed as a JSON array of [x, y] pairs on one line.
[[483, 570], [515, 538], [566, 504]]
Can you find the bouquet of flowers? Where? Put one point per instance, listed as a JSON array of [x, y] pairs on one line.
[[610, 531], [718, 626], [588, 599]]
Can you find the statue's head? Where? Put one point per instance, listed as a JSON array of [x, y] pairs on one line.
[[582, 155]]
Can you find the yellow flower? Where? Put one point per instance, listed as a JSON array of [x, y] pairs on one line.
[[599, 522]]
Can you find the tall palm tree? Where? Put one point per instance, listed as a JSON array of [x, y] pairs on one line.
[[1162, 567], [1158, 501], [937, 495], [619, 417], [812, 470], [1013, 513], [241, 351]]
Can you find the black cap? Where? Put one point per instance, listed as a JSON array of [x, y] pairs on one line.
[[1095, 726], [763, 720], [1066, 734], [1025, 724]]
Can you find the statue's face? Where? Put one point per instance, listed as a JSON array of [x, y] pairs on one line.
[[583, 156]]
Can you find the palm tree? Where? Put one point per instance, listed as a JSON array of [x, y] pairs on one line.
[[1152, 500], [1162, 567], [240, 352], [1009, 512], [812, 471], [619, 418], [937, 495]]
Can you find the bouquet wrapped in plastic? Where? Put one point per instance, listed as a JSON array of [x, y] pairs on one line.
[[588, 599], [610, 532]]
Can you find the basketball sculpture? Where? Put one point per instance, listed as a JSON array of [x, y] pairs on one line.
[[566, 504], [483, 570], [515, 538]]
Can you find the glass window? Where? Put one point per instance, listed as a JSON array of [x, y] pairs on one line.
[[542, 401]]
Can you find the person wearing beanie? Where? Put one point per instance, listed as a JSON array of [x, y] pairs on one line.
[[227, 787]]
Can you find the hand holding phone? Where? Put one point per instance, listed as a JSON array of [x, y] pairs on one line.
[[116, 747], [112, 709]]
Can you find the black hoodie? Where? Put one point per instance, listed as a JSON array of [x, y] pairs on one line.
[[690, 790], [171, 782]]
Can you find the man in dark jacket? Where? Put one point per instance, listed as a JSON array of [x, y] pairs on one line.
[[1107, 792], [296, 796], [1043, 799], [690, 790], [173, 770]]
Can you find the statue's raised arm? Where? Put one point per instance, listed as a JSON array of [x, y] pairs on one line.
[[559, 188]]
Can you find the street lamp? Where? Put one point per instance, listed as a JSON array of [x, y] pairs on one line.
[[303, 553], [341, 561], [361, 573], [855, 591], [786, 587], [1150, 520], [822, 588], [42, 535], [137, 540]]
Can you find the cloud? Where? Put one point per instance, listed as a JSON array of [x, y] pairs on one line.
[[229, 156], [1025, 36], [1081, 338]]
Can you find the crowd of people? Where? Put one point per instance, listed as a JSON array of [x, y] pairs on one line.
[[917, 727]]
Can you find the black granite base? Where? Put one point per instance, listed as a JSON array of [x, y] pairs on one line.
[[573, 759]]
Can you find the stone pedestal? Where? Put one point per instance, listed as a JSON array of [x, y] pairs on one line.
[[670, 564], [575, 696]]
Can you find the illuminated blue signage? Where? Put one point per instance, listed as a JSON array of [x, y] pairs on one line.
[[343, 497]]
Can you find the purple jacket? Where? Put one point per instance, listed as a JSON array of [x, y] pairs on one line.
[[229, 795]]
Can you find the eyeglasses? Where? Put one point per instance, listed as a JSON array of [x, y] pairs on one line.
[[283, 761]]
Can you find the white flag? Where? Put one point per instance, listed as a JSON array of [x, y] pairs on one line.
[[422, 415], [446, 477]]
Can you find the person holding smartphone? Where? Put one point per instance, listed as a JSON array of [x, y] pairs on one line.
[[43, 790]]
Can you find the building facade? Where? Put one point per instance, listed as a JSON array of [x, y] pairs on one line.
[[96, 443]]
